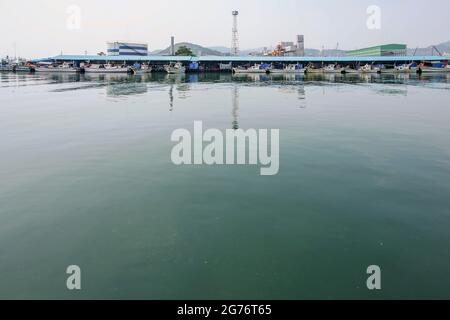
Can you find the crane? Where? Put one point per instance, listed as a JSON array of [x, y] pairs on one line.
[[437, 50]]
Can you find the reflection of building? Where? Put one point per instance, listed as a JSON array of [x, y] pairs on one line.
[[380, 51], [127, 49]]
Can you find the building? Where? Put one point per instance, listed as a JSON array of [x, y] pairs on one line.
[[117, 48], [290, 49], [380, 51], [300, 45]]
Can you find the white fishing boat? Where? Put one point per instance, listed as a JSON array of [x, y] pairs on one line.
[[332, 68], [369, 69], [435, 67], [433, 70], [106, 68], [6, 65], [292, 68], [350, 70], [403, 68], [312, 69], [51, 67], [175, 68], [21, 65], [226, 66], [6, 68], [142, 69], [23, 68], [257, 68]]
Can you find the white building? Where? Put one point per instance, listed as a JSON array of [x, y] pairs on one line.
[[118, 48]]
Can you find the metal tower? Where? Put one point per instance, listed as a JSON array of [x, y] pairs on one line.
[[235, 35]]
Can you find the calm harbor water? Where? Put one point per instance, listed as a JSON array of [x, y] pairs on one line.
[[87, 179]]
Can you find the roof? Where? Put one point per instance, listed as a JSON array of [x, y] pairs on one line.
[[392, 46], [255, 59], [116, 58]]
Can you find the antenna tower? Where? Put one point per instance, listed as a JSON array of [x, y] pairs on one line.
[[235, 35]]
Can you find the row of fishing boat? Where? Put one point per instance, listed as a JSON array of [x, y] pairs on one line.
[[66, 67], [179, 68], [335, 68]]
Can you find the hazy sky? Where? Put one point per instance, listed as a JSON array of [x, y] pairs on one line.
[[40, 27]]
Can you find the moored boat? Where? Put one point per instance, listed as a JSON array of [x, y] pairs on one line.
[[332, 68], [6, 68], [401, 68], [350, 70], [106, 68], [6, 65], [369, 69], [142, 68], [175, 68], [257, 68], [292, 68], [23, 68], [310, 68], [433, 67], [51, 67]]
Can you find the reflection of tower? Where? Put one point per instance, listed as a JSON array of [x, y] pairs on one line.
[[302, 96], [235, 35], [235, 107], [171, 97]]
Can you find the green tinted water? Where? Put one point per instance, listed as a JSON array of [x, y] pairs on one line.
[[87, 179]]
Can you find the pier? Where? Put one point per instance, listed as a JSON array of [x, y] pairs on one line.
[[213, 63]]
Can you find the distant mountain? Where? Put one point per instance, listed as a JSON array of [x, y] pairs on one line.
[[195, 48], [442, 47], [224, 51], [155, 52], [308, 52], [244, 52]]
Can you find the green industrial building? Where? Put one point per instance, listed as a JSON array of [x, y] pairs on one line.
[[380, 51]]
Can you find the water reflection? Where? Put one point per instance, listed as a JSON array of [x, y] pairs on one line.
[[179, 86], [124, 84], [235, 110], [171, 98]]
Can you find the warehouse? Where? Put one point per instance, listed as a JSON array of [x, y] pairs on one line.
[[380, 51], [117, 48]]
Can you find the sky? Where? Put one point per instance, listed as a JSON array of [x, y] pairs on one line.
[[43, 28]]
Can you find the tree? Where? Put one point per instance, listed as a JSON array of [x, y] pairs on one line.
[[184, 51]]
